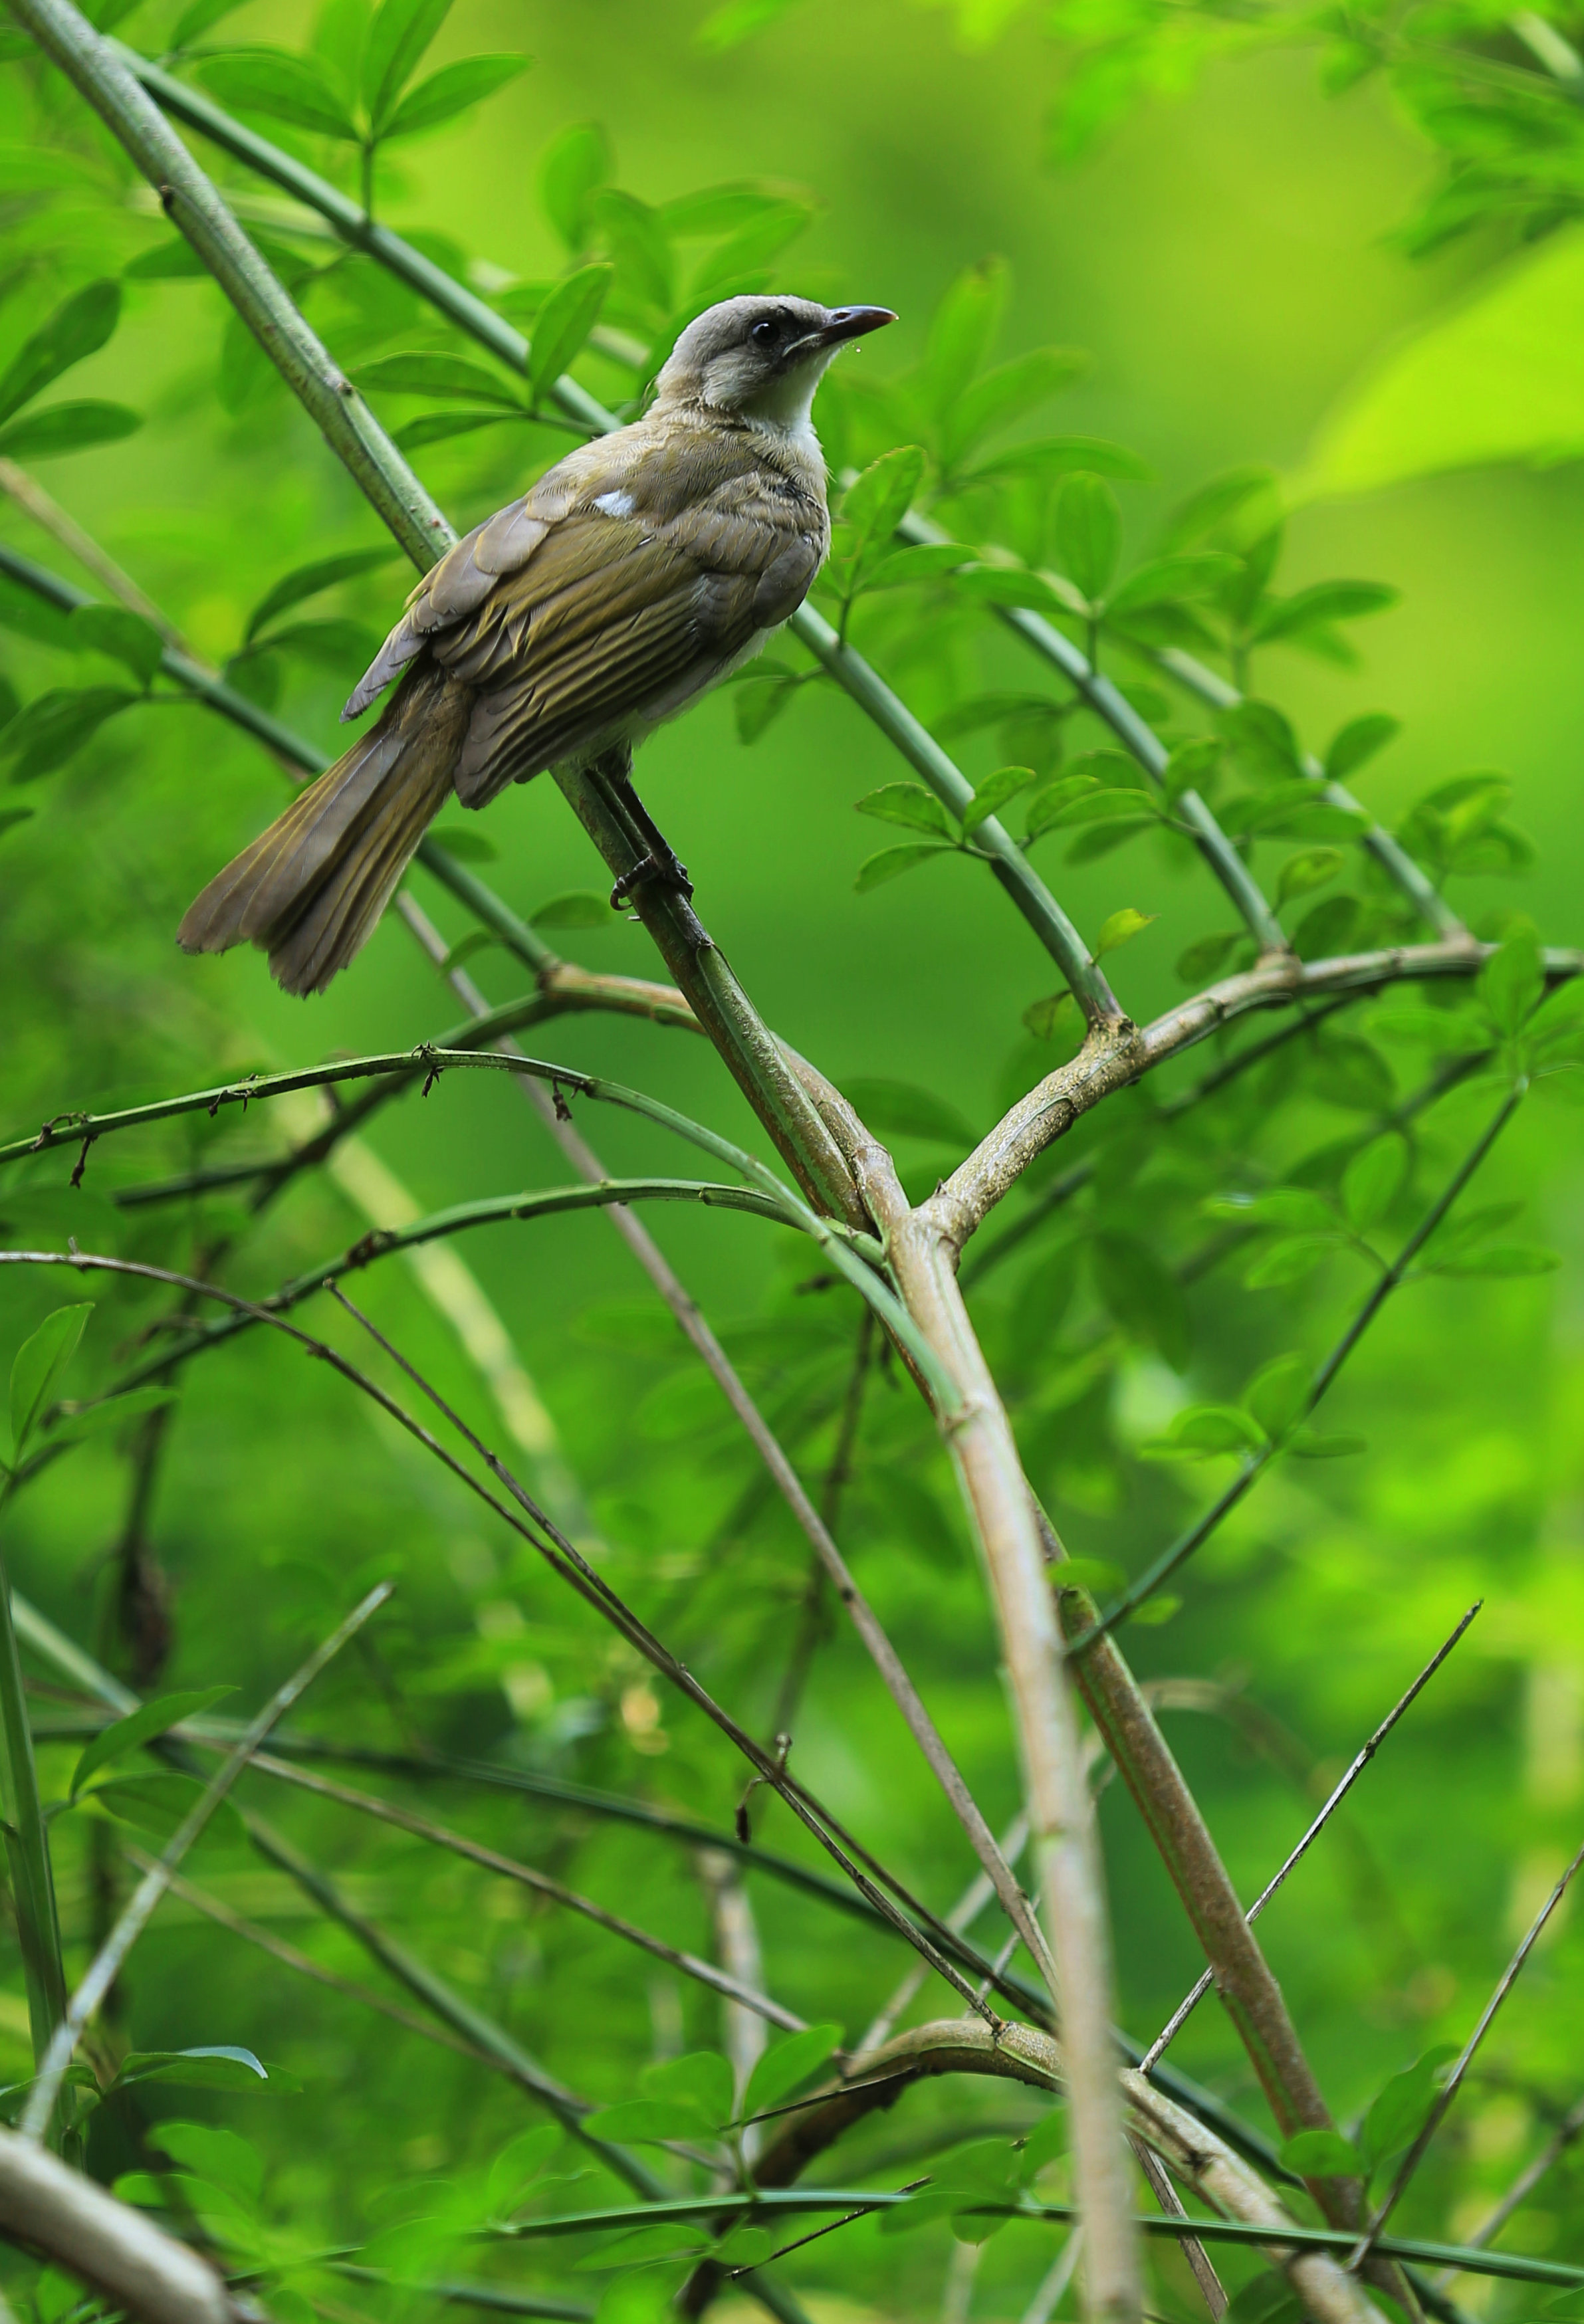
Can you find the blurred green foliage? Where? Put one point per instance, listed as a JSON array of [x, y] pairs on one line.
[[1222, 263]]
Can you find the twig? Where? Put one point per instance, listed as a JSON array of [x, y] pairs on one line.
[[1186, 2007], [27, 1839], [1569, 2128], [1192, 2250], [107, 1963], [1450, 2087], [962, 1916], [33, 501]]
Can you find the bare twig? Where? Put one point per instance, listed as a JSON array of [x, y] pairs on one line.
[[1569, 2128], [1186, 2007]]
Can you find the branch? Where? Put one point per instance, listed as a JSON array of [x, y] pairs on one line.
[[979, 1438], [877, 2079], [119, 2251]]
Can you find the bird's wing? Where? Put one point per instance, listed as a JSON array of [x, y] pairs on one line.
[[629, 575]]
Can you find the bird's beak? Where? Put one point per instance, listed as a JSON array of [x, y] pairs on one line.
[[846, 323]]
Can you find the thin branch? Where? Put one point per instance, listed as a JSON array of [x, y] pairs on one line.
[[1199, 2260], [1185, 2008], [1390, 1277], [962, 1916], [1449, 2090], [27, 1839], [508, 1869], [1569, 2128], [111, 1957], [48, 513]]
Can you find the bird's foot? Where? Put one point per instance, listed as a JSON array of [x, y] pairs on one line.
[[663, 869]]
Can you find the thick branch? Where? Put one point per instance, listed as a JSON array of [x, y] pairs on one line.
[[119, 2251]]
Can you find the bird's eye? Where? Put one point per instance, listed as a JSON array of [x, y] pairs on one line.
[[764, 334]]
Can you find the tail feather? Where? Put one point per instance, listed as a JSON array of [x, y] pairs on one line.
[[310, 888]]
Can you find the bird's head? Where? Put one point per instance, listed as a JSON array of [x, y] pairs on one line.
[[761, 358]]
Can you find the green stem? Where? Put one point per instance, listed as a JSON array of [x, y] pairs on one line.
[[27, 1844]]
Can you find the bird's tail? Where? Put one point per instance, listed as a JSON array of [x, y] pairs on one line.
[[310, 888]]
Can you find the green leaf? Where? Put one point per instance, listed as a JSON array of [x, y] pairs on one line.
[[1321, 2154], [1289, 1260], [647, 2121], [637, 238], [67, 428], [562, 325], [125, 636], [1358, 740], [1166, 580], [221, 2068], [728, 26], [1005, 395], [1051, 800], [763, 693], [1495, 378], [32, 617], [1204, 1432], [1309, 1445], [1278, 1395], [141, 1725], [451, 91], [901, 1110], [875, 503], [786, 2065], [1317, 607], [226, 2159], [1266, 2298], [78, 328], [991, 794], [282, 87], [1142, 1296], [401, 31], [516, 2167], [1059, 456], [1200, 960], [740, 263], [925, 561], [1214, 504], [1512, 983], [37, 1365], [1401, 2110], [1373, 1180], [309, 580], [197, 18], [1088, 532], [581, 908], [575, 164], [1009, 585], [909, 804], [1045, 1018], [436, 374], [1103, 805], [1263, 739], [156, 1805], [1509, 1258], [1121, 928], [1300, 875], [10, 816], [438, 426], [962, 331], [1352, 1073], [1294, 1207], [113, 1412], [703, 2079]]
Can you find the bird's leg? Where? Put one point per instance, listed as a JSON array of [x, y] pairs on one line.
[[661, 862]]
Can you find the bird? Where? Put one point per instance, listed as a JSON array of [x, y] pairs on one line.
[[638, 572]]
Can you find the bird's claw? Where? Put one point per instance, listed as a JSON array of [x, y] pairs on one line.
[[666, 870]]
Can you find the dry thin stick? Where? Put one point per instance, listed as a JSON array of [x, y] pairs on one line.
[[107, 1963], [1192, 2250], [1449, 2091], [367, 1803], [1185, 2008]]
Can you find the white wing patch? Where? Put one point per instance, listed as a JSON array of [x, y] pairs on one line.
[[616, 503]]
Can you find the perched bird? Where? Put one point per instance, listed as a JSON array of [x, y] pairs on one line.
[[636, 573]]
